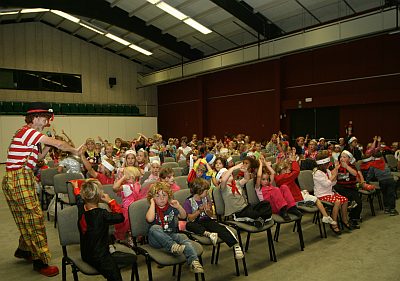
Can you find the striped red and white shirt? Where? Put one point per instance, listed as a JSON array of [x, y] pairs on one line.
[[23, 149]]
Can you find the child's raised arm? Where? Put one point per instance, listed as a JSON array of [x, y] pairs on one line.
[[182, 213], [268, 164], [117, 186], [227, 174], [151, 212], [86, 163], [259, 172]]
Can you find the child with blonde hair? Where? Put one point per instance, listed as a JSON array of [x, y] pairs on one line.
[[155, 172], [142, 158], [93, 224], [163, 215], [128, 187]]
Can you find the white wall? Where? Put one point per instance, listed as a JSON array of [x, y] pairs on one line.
[[78, 128], [36, 46]]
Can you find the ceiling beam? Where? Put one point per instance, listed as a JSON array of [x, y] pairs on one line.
[[101, 10], [244, 12]]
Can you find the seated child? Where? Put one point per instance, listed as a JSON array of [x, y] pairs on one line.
[[167, 175], [71, 163], [346, 185], [236, 202], [155, 172], [324, 180], [128, 161], [105, 170], [379, 170], [163, 217], [202, 168], [93, 224], [287, 173], [199, 212], [281, 199], [219, 169], [129, 189]]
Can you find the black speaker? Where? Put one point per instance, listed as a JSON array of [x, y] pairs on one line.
[[112, 81]]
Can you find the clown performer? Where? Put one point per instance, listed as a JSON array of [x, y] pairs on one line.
[[19, 188]]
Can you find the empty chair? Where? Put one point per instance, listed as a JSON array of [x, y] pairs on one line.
[[47, 190], [169, 159], [182, 163], [61, 187], [145, 176], [177, 171], [169, 165], [68, 234], [181, 181], [108, 188], [306, 182]]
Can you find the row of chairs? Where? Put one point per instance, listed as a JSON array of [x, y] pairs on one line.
[[69, 237]]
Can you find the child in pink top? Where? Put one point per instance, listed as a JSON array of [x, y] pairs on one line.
[[128, 187], [155, 172], [287, 173], [281, 199]]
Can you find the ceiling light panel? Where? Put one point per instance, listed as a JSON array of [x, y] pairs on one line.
[[140, 50], [92, 28], [197, 26], [171, 10], [118, 39], [35, 10], [5, 13], [66, 16], [153, 1]]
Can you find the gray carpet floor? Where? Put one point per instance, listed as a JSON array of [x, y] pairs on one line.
[[370, 253]]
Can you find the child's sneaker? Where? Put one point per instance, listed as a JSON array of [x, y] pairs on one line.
[[283, 213], [329, 220], [353, 204], [214, 238], [111, 248], [177, 249], [393, 212], [258, 222], [238, 252], [293, 210], [196, 267], [386, 211]]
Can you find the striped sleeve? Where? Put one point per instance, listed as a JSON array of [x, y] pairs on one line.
[[31, 137]]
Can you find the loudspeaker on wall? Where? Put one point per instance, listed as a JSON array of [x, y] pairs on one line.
[[112, 81]]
